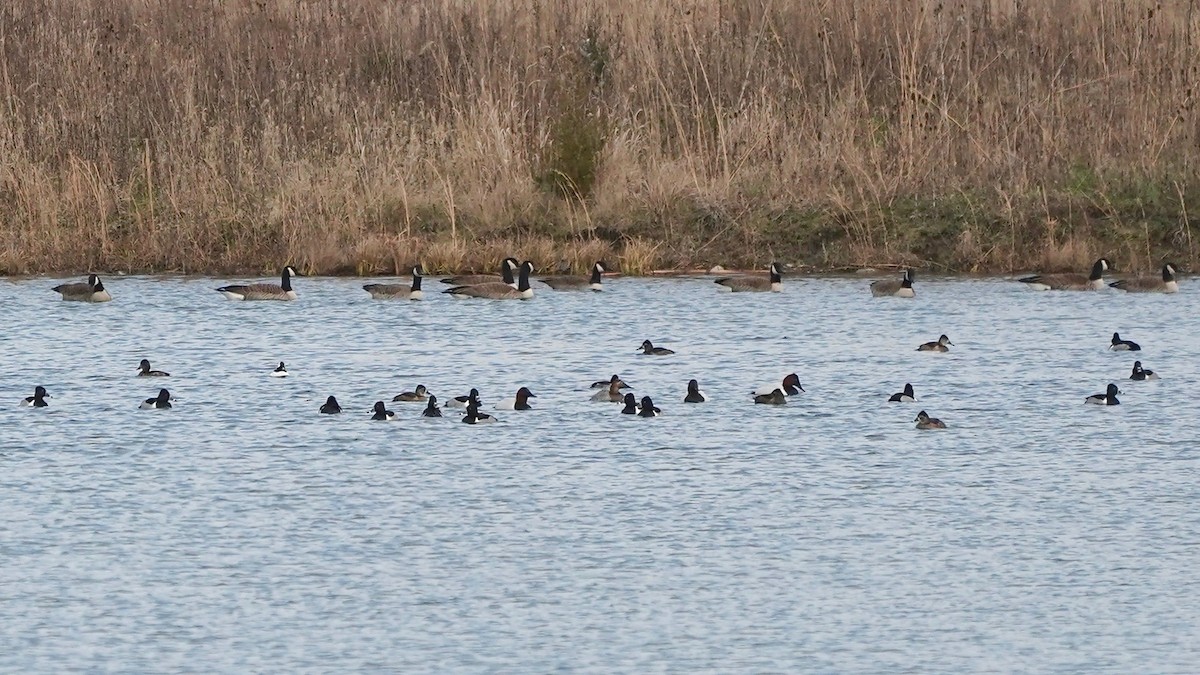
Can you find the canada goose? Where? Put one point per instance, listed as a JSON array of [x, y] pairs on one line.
[[776, 397], [1070, 281], [397, 291], [1141, 374], [280, 371], [144, 370], [1109, 397], [943, 344], [1119, 345], [892, 288], [473, 415], [160, 402], [603, 384], [755, 284], [90, 291], [647, 408], [280, 291], [694, 395], [1167, 284], [521, 402], [498, 290], [610, 395], [331, 407], [924, 421], [382, 414], [572, 283], [790, 386], [506, 276], [417, 396], [650, 349], [631, 407], [38, 400], [905, 396], [431, 408], [462, 401]]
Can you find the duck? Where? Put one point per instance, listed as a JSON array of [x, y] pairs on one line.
[[38, 400], [417, 396], [649, 349], [755, 284], [463, 401], [893, 288], [281, 291], [1141, 374], [144, 370], [382, 414], [520, 402], [790, 386], [91, 290], [398, 291], [331, 407], [507, 266], [603, 384], [776, 397], [610, 395], [905, 396], [943, 344], [647, 408], [160, 402], [498, 290], [1119, 345], [1070, 281], [573, 283], [1109, 397], [473, 415], [924, 421], [694, 395], [1168, 283], [631, 406], [431, 408], [280, 370]]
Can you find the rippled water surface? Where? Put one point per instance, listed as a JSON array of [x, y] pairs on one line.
[[241, 531]]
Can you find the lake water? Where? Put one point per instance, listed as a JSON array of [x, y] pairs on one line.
[[242, 531]]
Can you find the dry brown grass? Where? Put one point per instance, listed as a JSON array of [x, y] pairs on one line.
[[358, 137]]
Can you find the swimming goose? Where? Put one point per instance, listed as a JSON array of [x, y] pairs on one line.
[[892, 288], [521, 402], [1109, 397], [603, 384], [905, 396], [647, 408], [610, 395], [1070, 281], [473, 415], [694, 395], [331, 407], [382, 414], [755, 284], [144, 370], [90, 291], [280, 371], [506, 276], [497, 290], [572, 283], [280, 291], [776, 397], [397, 291], [1141, 374], [160, 402], [38, 400], [648, 348], [790, 386], [431, 408], [924, 421], [631, 407], [1167, 284], [939, 346], [417, 396], [463, 401], [1119, 345]]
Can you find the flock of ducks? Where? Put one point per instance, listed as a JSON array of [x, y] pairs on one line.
[[514, 283]]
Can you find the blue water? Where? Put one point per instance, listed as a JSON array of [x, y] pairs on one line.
[[242, 531]]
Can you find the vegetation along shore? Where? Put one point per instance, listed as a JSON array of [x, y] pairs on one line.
[[363, 137]]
